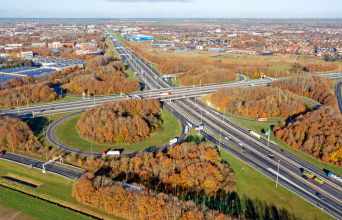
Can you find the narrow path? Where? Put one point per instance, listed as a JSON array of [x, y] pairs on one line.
[[338, 94]]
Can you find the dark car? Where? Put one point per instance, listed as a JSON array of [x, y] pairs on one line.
[[1, 153], [270, 156], [282, 150], [319, 195], [305, 177]]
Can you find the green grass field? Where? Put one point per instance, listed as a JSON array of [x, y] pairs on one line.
[[36, 207], [53, 187], [67, 134], [281, 67], [260, 128], [258, 189]]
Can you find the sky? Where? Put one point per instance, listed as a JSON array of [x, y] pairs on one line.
[[171, 9]]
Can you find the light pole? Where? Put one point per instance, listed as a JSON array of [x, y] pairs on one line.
[[277, 174], [91, 150], [49, 120], [220, 141], [18, 106], [43, 130], [12, 146], [26, 101], [94, 97]]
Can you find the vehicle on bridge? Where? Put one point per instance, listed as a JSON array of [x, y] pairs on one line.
[[115, 153], [165, 93], [138, 97], [262, 119]]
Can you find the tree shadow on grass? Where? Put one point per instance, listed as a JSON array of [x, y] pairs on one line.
[[244, 207], [195, 139], [37, 124]]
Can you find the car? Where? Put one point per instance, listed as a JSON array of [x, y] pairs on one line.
[[187, 89], [240, 144], [282, 150], [226, 138], [51, 108], [319, 195], [1, 153], [305, 177], [270, 156], [244, 148], [229, 137]]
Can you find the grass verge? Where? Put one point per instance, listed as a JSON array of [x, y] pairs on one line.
[[258, 189], [67, 134]]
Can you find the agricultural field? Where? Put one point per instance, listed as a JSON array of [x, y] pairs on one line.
[[285, 61]]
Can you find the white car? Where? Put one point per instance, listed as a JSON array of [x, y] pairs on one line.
[[240, 144]]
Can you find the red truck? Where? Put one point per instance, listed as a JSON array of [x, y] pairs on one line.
[[262, 119]]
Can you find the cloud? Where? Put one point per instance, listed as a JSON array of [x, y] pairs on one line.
[[149, 1]]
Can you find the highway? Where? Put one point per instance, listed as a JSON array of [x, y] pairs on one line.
[[259, 150], [184, 106], [38, 164]]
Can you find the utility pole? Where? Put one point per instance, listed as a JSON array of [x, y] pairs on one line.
[[277, 174]]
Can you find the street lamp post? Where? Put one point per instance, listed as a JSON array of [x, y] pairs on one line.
[[92, 150], [43, 130], [26, 101], [277, 174], [220, 141], [18, 106]]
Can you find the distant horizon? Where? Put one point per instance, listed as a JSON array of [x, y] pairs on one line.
[[171, 9]]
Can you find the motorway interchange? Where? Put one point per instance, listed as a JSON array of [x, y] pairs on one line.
[[183, 104]]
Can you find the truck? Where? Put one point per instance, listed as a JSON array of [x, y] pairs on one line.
[[138, 97], [115, 153], [186, 129], [319, 180], [335, 177], [262, 119], [173, 141], [308, 174], [254, 134], [165, 93]]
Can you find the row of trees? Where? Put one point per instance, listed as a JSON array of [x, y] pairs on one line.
[[146, 56], [318, 133], [259, 71], [23, 94], [258, 101], [6, 64], [16, 134], [122, 122], [102, 83], [314, 87], [111, 196]]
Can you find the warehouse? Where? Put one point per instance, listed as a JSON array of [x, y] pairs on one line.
[[140, 37], [266, 53], [216, 49]]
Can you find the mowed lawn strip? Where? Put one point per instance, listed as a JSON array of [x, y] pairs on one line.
[[67, 134], [258, 187], [36, 207], [260, 126]]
